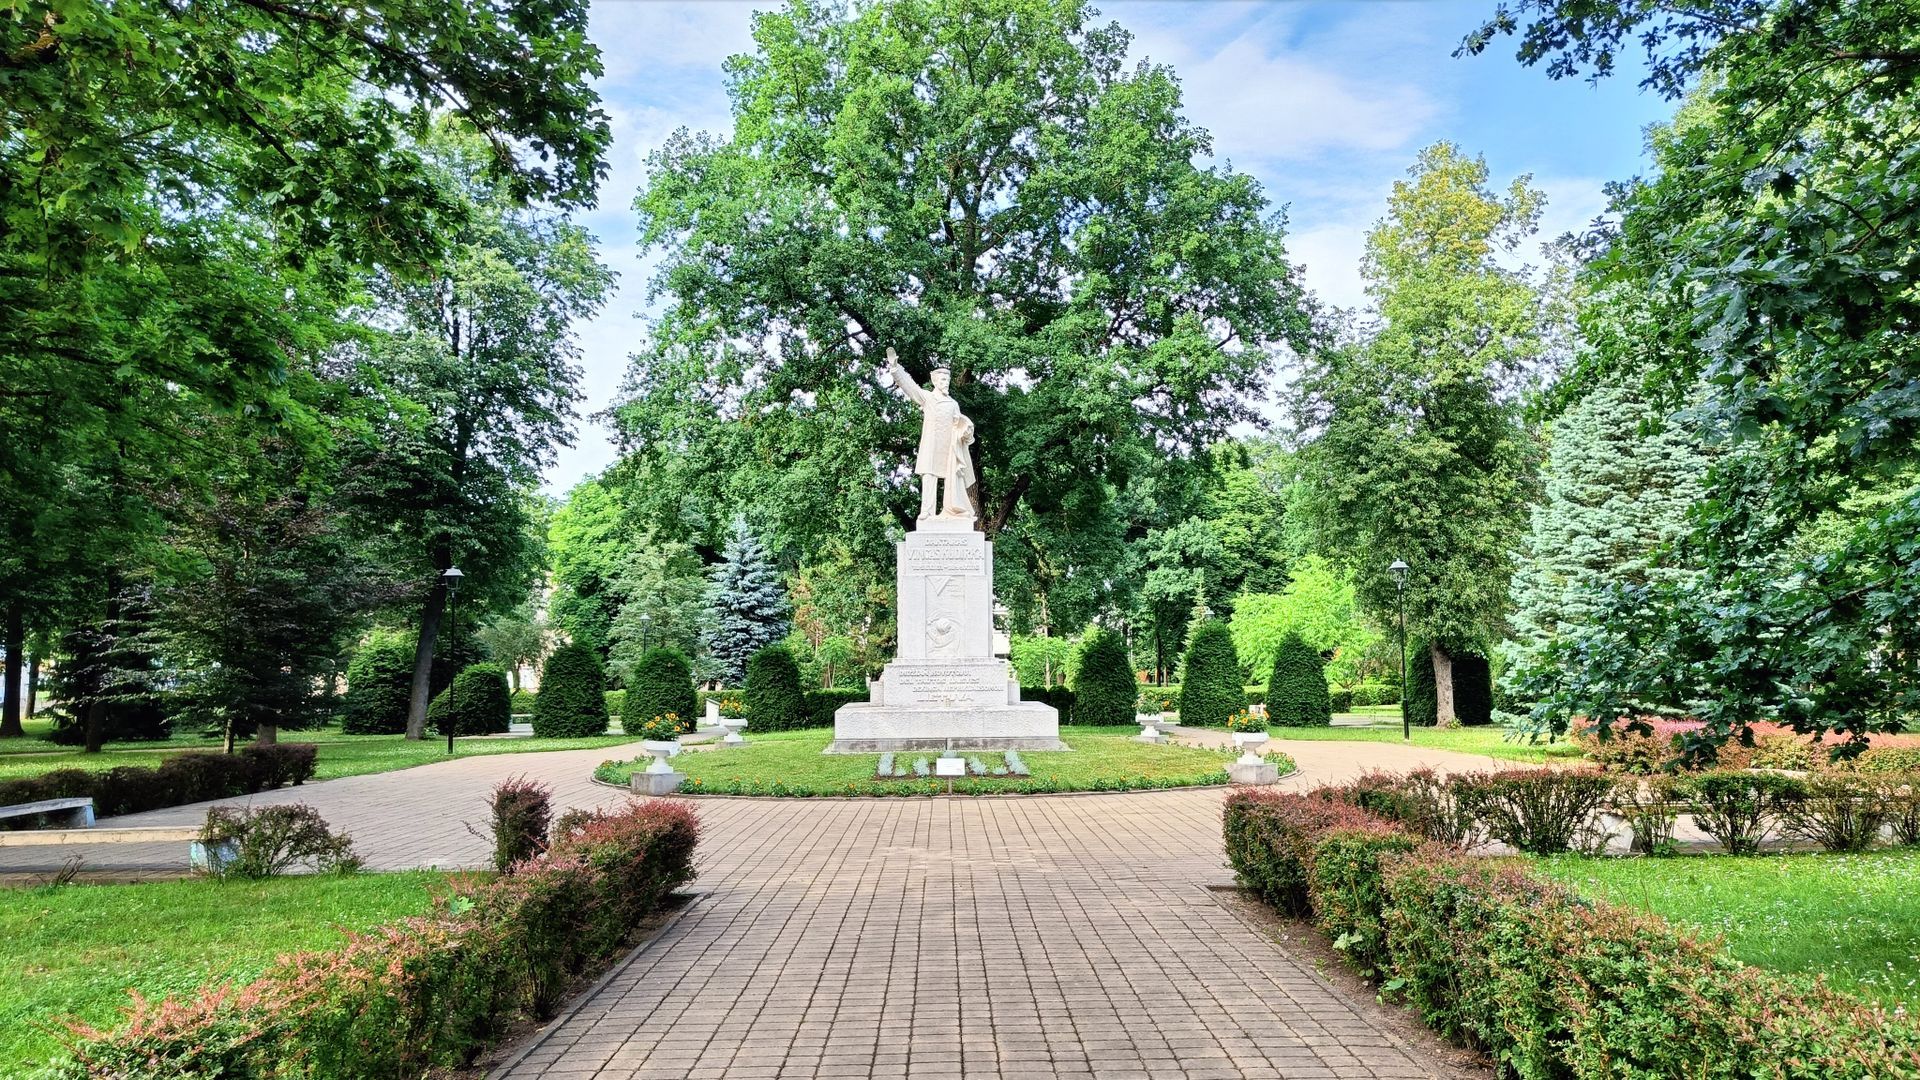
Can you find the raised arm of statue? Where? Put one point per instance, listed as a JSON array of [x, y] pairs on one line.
[[913, 390]]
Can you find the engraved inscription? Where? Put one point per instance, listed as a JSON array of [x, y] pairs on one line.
[[945, 555]]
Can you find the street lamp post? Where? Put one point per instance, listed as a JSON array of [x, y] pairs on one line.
[[646, 629], [1399, 569], [452, 578]]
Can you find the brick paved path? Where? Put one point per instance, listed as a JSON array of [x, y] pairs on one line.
[[1045, 936]]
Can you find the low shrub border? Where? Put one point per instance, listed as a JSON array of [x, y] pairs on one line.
[[1549, 984], [426, 992], [184, 778]]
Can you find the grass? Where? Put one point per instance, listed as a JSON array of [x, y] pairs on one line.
[[1855, 918], [76, 950], [791, 763], [340, 754], [1485, 741]]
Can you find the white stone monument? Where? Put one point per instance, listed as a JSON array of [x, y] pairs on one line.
[[946, 688]]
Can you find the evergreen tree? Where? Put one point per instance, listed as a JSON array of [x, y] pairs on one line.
[[478, 702], [573, 694], [1420, 707], [378, 678], [1472, 690], [1210, 689], [661, 683], [1619, 484], [749, 606], [1104, 690], [773, 697], [1297, 691]]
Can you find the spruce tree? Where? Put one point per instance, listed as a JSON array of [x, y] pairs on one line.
[[1297, 691], [1619, 484], [749, 604]]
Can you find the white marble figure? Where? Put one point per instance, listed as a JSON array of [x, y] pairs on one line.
[[945, 438]]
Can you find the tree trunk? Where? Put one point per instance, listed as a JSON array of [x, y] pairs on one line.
[[33, 682], [1443, 688], [423, 662], [96, 726], [16, 645], [266, 734]]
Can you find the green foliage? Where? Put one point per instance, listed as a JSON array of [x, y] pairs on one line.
[[1740, 809], [661, 684], [522, 813], [1774, 240], [1210, 689], [267, 841], [1043, 661], [1472, 690], [1043, 209], [588, 544], [572, 689], [749, 606], [1297, 691], [1104, 688], [772, 693], [1538, 811], [1422, 457], [477, 703], [378, 678], [1317, 605], [820, 705], [1421, 707]]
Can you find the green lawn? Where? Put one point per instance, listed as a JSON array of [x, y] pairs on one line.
[[1486, 741], [791, 763], [340, 755], [75, 950], [1854, 917]]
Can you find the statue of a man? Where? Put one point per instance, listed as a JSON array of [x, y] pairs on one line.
[[945, 438]]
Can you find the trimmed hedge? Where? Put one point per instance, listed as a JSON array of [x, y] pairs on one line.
[[820, 705], [773, 696], [1065, 701], [1297, 691], [478, 700], [1104, 688], [572, 701], [421, 994], [1550, 985], [184, 778], [661, 684], [1210, 689]]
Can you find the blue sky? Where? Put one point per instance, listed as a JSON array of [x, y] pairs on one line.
[[1326, 103]]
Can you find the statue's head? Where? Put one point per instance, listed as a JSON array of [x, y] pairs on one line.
[[942, 378]]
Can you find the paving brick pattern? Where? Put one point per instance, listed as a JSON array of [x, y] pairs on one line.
[[1038, 937]]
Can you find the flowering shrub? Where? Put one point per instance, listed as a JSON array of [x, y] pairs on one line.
[[1551, 986], [425, 992]]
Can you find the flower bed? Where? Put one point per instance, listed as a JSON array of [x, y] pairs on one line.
[[1547, 983], [425, 992]]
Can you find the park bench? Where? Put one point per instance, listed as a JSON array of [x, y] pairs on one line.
[[76, 812], [78, 815]]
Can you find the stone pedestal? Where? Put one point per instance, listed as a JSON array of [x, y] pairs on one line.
[[1259, 772], [945, 688], [658, 778]]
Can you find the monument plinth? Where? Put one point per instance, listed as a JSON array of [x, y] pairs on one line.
[[945, 688]]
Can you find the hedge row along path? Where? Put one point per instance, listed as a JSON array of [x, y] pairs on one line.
[[1044, 936]]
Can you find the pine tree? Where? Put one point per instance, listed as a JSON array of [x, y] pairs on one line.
[[1618, 487], [749, 606]]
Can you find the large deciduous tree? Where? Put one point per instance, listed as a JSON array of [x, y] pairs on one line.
[[984, 186], [1420, 454], [1782, 231], [476, 360]]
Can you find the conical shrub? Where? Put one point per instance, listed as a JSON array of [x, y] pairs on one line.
[[1297, 690]]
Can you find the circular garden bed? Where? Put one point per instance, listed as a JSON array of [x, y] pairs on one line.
[[790, 763]]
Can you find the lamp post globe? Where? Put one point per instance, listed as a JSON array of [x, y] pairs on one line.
[[450, 578], [1399, 570]]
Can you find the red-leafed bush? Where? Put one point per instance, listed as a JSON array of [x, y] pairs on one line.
[[421, 993], [522, 814], [1270, 837]]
